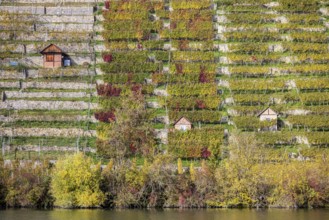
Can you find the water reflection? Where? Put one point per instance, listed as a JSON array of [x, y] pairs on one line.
[[168, 214]]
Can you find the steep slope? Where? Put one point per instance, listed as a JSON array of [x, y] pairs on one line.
[[47, 112]]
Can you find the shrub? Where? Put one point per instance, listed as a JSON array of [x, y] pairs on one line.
[[76, 182]]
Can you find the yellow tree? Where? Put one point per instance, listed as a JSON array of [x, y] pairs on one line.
[[76, 182]]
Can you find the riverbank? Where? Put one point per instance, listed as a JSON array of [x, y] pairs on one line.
[[243, 181]]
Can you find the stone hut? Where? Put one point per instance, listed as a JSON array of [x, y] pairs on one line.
[[52, 56], [183, 124]]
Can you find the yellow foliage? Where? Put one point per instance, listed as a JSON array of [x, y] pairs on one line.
[[179, 166], [192, 172], [75, 182]]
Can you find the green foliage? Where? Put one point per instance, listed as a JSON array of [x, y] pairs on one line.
[[190, 4], [188, 68], [188, 103], [317, 122], [197, 89], [298, 6], [315, 98], [317, 84], [205, 15], [257, 84], [190, 144], [250, 18], [181, 78], [252, 123], [252, 36], [192, 56], [76, 182]]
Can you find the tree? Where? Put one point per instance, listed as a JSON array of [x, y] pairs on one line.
[[76, 182], [238, 180], [131, 134]]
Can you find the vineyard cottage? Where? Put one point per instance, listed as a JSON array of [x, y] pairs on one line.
[[183, 124], [52, 56], [269, 115]]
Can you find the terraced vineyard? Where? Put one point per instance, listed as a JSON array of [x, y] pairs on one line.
[[47, 112], [145, 64], [276, 54]]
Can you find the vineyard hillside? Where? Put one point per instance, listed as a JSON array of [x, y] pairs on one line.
[[226, 67]]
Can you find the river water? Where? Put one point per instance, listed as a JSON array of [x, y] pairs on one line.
[[170, 214]]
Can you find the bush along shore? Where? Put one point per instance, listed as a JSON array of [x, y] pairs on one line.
[[245, 177]]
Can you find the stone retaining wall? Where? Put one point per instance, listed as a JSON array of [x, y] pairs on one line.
[[63, 27], [56, 85], [49, 117], [17, 94], [48, 27], [46, 105], [39, 10], [11, 75], [32, 73], [9, 85], [49, 148], [77, 36], [58, 72], [80, 19], [46, 132]]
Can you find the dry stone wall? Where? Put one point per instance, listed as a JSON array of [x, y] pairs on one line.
[[45, 132], [47, 105], [50, 148], [56, 85], [47, 98], [40, 10], [19, 94]]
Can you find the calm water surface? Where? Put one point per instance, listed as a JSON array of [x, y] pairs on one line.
[[222, 214]]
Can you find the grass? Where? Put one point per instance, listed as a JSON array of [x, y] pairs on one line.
[[159, 126]]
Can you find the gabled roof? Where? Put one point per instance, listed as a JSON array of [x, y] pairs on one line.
[[181, 118], [52, 48], [268, 111]]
